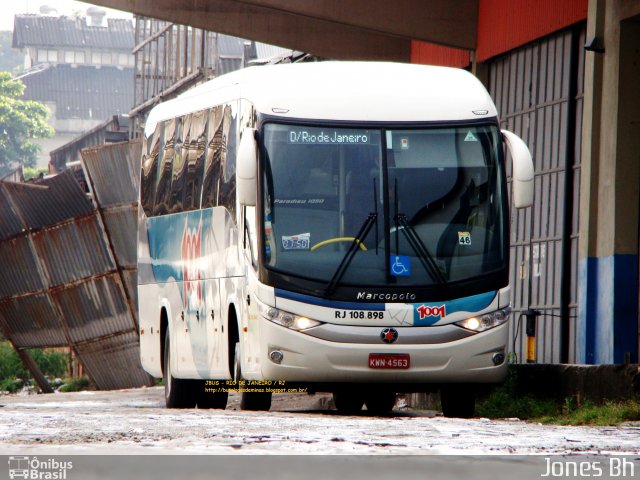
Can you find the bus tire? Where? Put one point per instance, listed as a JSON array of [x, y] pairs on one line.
[[217, 400], [348, 402], [380, 402], [458, 401], [178, 393], [253, 401]]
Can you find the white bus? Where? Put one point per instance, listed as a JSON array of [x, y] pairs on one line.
[[335, 226]]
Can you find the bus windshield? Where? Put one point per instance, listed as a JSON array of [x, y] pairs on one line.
[[425, 205]]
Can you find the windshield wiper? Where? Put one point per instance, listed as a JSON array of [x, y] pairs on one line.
[[418, 246], [348, 256]]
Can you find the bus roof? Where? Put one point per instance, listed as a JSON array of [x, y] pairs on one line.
[[342, 91]]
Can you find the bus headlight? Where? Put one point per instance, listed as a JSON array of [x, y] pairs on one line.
[[286, 319], [486, 321]]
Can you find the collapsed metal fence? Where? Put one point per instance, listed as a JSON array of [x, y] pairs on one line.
[[67, 267]]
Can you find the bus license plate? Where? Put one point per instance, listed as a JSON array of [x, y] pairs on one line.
[[389, 360]]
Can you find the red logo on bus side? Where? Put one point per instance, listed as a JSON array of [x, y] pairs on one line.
[[191, 251], [427, 311]]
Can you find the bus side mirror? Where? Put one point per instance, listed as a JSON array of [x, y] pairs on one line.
[[247, 168], [522, 170]]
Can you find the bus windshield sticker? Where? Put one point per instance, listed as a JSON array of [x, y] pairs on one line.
[[296, 242], [464, 238], [470, 137], [329, 137], [400, 266]]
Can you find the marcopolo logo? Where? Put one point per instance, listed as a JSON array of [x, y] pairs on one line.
[[38, 469]]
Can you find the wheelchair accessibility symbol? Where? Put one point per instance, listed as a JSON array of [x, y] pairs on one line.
[[400, 266]]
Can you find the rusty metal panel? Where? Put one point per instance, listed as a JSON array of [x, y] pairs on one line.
[[114, 171], [57, 199], [59, 282], [94, 309], [32, 321], [532, 88], [122, 369], [19, 273], [10, 224], [121, 225], [73, 251]]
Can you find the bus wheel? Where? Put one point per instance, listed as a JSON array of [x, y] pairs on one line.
[[458, 401], [256, 401], [348, 402], [178, 393], [207, 399], [380, 402]]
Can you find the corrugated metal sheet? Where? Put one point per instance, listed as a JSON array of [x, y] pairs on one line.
[[33, 321], [121, 223], [57, 199], [86, 92], [10, 224], [115, 172], [74, 251], [268, 52], [94, 309], [19, 272], [123, 352], [506, 24], [130, 278], [536, 89], [228, 64], [60, 283], [70, 32]]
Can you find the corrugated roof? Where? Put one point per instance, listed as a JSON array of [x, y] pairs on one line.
[[39, 206], [59, 284], [94, 309], [228, 64], [19, 272], [114, 170], [72, 251], [71, 32], [123, 354], [86, 92]]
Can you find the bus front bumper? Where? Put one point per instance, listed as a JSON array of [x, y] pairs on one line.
[[309, 359]]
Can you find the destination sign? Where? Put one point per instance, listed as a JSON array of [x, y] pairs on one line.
[[329, 137]]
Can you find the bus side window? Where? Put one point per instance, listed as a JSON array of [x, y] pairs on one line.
[[227, 191], [193, 152], [163, 184], [176, 199], [151, 149], [212, 168]]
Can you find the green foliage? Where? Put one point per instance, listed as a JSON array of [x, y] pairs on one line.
[[505, 402], [13, 373], [75, 385], [10, 364], [10, 59], [20, 122], [11, 385], [610, 413], [33, 172]]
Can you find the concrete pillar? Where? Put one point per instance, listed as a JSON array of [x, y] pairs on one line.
[[609, 204]]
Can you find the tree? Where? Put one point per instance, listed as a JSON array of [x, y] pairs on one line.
[[11, 59], [21, 121]]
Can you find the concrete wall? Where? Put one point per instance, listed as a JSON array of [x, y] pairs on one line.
[[610, 200]]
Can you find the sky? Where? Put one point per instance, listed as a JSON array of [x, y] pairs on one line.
[[9, 8]]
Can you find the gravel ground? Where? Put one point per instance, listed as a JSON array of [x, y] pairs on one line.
[[136, 422]]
